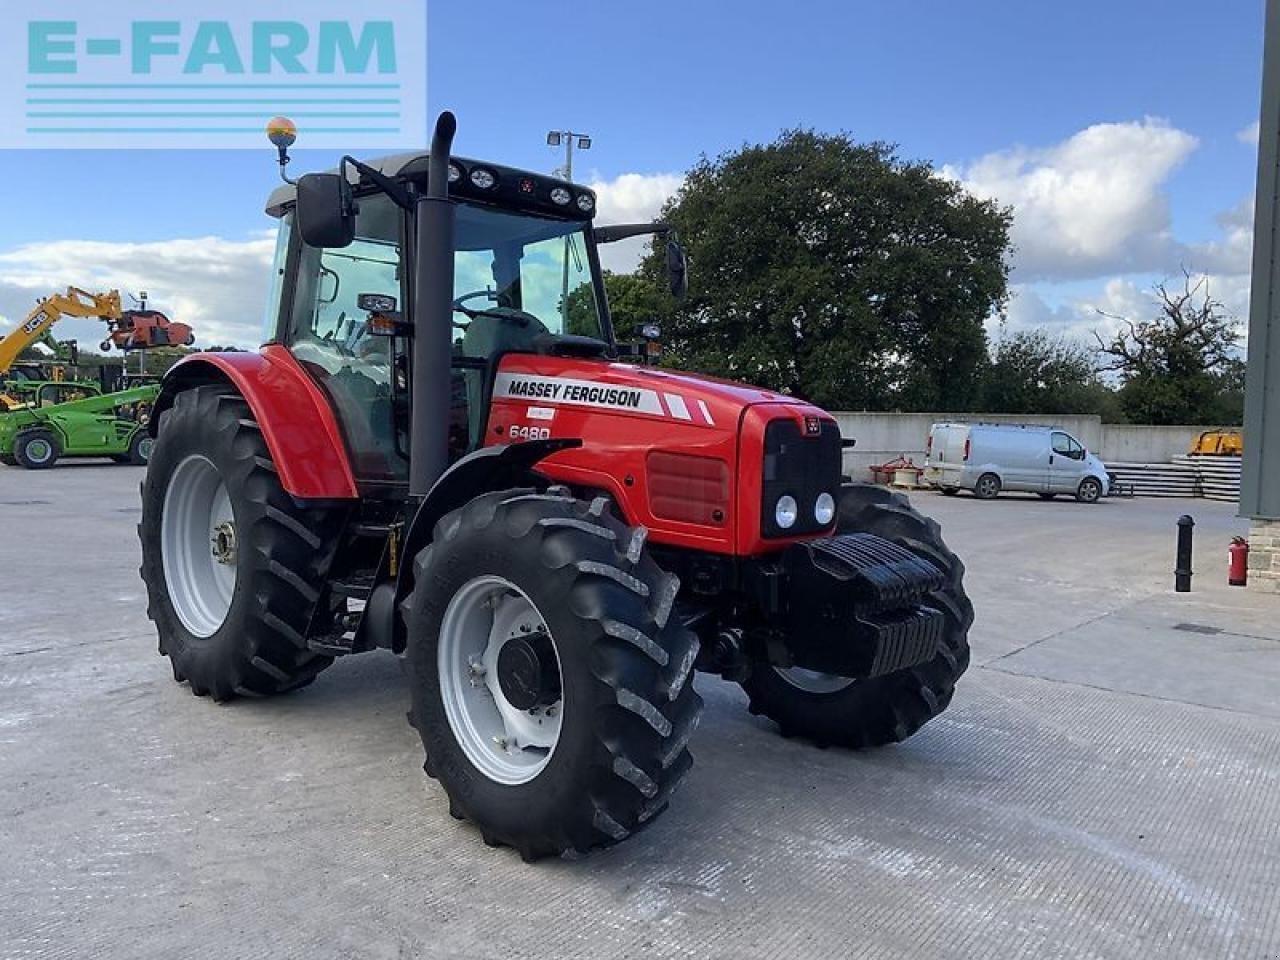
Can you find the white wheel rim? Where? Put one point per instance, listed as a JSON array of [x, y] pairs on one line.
[[812, 681], [508, 745], [39, 451], [198, 546]]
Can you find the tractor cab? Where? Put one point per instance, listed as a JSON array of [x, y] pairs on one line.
[[526, 279]]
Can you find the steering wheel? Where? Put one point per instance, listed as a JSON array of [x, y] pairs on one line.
[[511, 315], [460, 302]]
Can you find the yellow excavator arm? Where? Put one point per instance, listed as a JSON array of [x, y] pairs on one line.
[[74, 303]]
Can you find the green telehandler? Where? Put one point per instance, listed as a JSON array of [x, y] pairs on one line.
[[104, 425]]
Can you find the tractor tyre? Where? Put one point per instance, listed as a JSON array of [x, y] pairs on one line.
[[36, 449], [840, 711], [233, 565], [548, 672]]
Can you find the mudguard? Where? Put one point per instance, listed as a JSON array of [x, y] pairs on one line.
[[293, 413]]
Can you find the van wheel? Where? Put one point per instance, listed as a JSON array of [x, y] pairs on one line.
[[1089, 491], [987, 487]]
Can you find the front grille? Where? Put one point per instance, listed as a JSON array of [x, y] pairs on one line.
[[802, 466]]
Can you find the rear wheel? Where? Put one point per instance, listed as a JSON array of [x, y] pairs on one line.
[[233, 565], [549, 676], [36, 449], [139, 448], [1089, 491], [841, 711], [987, 487]]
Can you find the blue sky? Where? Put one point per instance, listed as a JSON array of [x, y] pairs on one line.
[[995, 92]]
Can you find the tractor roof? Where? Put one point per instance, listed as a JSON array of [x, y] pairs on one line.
[[510, 188]]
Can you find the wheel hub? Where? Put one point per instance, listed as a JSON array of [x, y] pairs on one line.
[[500, 680], [223, 542], [527, 671]]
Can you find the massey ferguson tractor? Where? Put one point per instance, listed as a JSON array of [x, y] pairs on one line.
[[441, 451]]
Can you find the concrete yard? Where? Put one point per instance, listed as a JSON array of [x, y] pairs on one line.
[[1106, 784]]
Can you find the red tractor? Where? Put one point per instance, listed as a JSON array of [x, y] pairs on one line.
[[436, 453]]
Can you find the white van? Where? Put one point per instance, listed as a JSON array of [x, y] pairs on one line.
[[990, 457]]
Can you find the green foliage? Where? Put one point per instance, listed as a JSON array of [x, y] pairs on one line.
[[1179, 366], [834, 271], [633, 300], [1033, 372]]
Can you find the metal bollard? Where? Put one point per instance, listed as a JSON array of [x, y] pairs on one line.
[[1182, 572]]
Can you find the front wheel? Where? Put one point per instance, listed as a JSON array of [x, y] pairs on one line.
[[549, 675], [36, 449], [841, 711], [1089, 491]]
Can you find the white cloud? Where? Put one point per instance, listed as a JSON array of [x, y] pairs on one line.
[[1234, 253], [1250, 134], [1078, 315], [1089, 206], [217, 286], [631, 198]]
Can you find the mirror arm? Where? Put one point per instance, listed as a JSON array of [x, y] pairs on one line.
[[624, 231], [391, 187]]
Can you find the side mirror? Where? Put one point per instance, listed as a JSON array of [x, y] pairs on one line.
[[677, 270], [326, 211]]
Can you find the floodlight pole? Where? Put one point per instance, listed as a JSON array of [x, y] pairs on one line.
[[568, 136]]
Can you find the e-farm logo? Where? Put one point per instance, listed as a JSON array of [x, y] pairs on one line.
[[210, 73]]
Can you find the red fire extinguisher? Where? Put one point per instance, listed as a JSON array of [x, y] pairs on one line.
[[1238, 570]]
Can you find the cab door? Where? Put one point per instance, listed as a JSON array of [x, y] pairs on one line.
[[328, 333], [1066, 463]]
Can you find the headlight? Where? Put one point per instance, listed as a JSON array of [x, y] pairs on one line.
[[561, 196], [786, 511], [482, 178], [824, 509], [586, 202]]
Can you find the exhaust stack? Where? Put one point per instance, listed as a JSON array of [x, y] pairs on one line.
[[432, 319]]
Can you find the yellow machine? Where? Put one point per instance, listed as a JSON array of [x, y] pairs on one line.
[[40, 321], [74, 303], [1225, 442]]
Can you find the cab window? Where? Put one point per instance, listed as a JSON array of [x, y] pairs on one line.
[[1068, 446]]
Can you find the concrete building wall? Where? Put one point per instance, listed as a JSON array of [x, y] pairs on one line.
[[885, 436], [1144, 444]]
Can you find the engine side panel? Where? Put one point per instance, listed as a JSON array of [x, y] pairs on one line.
[[623, 413], [294, 416]]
